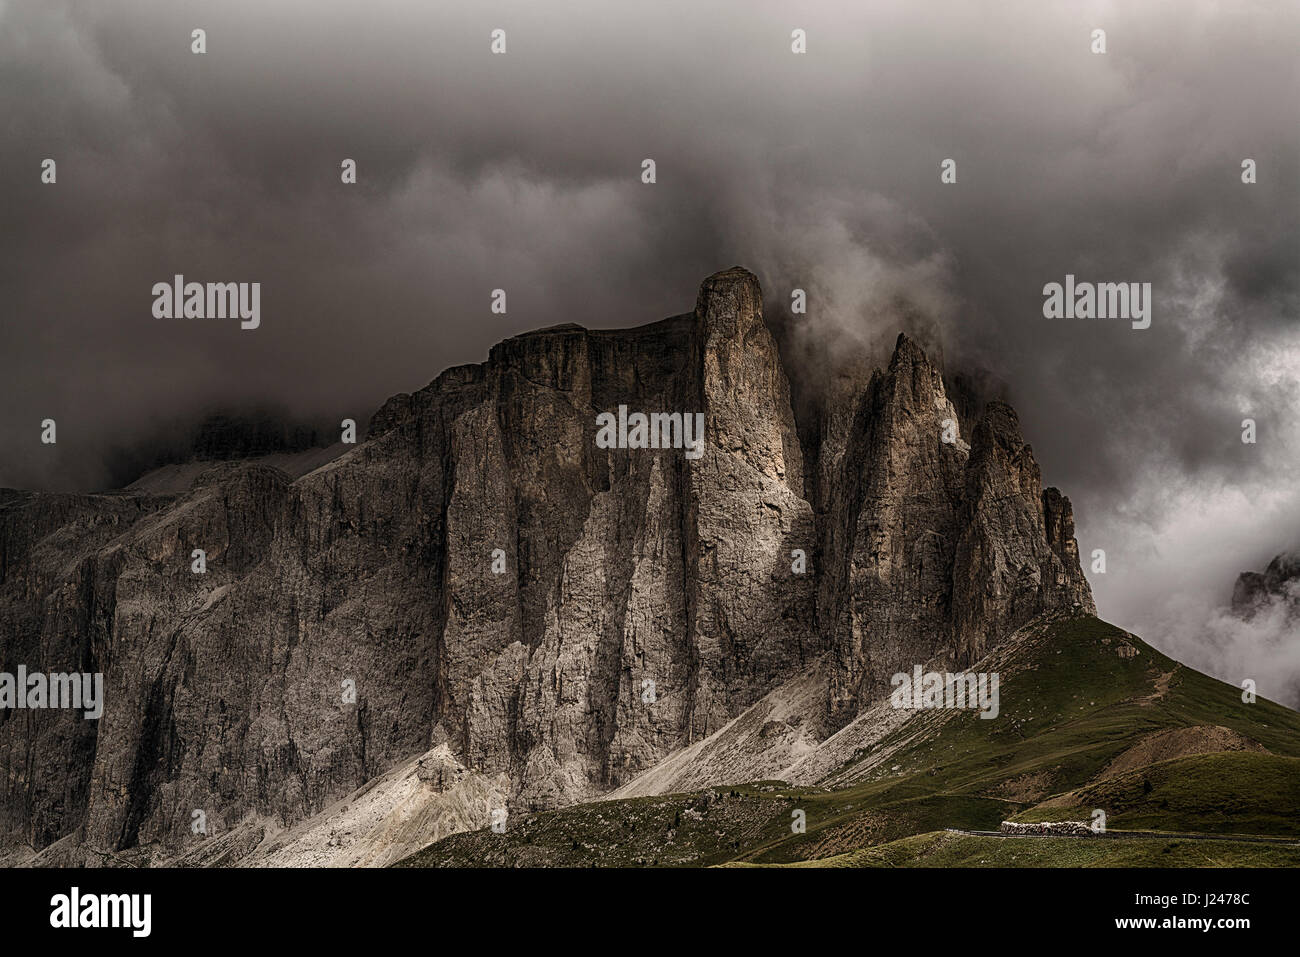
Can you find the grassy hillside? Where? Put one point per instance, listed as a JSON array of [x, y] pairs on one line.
[[1090, 717], [1238, 792]]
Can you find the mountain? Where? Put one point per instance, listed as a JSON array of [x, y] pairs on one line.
[[526, 617]]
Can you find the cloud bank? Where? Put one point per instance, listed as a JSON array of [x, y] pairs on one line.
[[818, 171]]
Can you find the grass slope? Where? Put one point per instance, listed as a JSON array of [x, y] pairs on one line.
[[1075, 694]]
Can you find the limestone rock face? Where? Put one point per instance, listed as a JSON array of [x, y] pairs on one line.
[[938, 538], [481, 584]]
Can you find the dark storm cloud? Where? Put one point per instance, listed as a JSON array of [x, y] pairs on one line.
[[819, 171]]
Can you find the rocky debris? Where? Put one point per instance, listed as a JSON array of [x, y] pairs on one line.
[[479, 584], [761, 743], [440, 770], [409, 807]]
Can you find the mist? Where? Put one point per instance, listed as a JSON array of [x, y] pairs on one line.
[[818, 171]]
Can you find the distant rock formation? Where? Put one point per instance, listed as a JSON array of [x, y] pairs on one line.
[[1280, 581]]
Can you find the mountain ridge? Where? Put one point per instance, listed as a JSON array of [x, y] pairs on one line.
[[644, 600]]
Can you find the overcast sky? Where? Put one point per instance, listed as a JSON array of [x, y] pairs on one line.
[[821, 170]]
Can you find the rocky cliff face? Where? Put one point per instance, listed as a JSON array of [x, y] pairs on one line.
[[938, 537], [495, 586]]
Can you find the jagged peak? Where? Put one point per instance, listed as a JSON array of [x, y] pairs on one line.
[[736, 285], [999, 428], [911, 380], [908, 351], [906, 346], [732, 274]]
